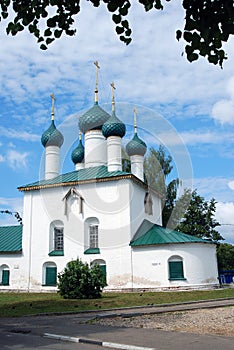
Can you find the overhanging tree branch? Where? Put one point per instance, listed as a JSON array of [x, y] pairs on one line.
[[16, 214], [208, 23]]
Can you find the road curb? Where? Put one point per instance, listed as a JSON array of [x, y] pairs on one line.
[[95, 342]]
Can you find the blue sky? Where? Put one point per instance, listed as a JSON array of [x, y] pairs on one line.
[[187, 107]]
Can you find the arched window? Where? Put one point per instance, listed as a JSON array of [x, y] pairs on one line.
[[91, 236], [4, 275], [176, 268], [49, 274], [148, 202], [56, 244]]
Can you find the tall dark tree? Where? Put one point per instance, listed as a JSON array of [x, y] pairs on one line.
[[173, 209], [199, 220], [208, 24], [225, 255]]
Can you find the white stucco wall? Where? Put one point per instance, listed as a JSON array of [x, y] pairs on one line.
[[150, 265], [137, 209]]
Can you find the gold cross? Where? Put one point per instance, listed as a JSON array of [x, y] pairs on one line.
[[135, 121], [113, 95], [96, 87], [52, 111]]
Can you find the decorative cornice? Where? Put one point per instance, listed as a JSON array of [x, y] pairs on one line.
[[100, 180]]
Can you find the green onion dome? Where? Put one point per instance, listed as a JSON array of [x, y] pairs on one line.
[[77, 155], [93, 119], [136, 146], [52, 136], [113, 127]]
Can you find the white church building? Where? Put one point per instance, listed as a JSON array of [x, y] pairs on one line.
[[101, 215]]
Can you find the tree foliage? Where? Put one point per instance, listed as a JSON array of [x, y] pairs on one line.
[[225, 255], [157, 166], [199, 220], [79, 281], [208, 23]]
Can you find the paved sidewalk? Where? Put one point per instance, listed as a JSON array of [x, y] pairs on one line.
[[74, 327]]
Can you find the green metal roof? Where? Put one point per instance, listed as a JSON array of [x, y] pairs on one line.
[[10, 239], [93, 174], [152, 234]]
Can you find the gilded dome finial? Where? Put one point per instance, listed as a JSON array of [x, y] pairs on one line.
[[113, 96], [135, 121], [96, 86], [52, 109]]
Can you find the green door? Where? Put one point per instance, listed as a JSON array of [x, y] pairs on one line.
[[5, 277], [51, 276], [103, 269]]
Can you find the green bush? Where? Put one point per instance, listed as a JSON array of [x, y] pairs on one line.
[[79, 281]]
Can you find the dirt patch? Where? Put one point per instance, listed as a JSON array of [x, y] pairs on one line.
[[219, 321]]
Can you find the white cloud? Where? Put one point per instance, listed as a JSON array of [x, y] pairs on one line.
[[16, 159], [21, 135], [225, 213], [231, 185], [230, 88], [225, 216], [214, 187], [1, 159], [223, 110]]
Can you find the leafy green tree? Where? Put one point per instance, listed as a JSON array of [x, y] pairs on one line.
[[225, 255], [208, 23], [199, 220], [173, 209], [157, 166], [79, 281]]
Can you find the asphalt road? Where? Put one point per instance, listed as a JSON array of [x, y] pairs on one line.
[[31, 332]]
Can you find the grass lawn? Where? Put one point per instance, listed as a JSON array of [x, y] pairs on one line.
[[20, 304]]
